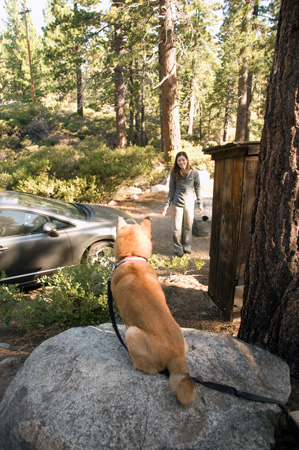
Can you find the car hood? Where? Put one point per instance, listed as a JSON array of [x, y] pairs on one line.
[[103, 213]]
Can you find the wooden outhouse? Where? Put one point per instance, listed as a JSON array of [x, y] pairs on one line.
[[233, 198]]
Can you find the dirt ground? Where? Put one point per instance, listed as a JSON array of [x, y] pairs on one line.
[[186, 295]]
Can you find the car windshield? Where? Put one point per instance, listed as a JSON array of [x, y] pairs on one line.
[[48, 204]]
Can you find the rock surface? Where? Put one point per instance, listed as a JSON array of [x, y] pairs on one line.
[[78, 390]]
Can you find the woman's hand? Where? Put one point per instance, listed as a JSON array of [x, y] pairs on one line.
[[164, 211]]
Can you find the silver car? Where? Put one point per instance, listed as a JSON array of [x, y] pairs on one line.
[[38, 235]]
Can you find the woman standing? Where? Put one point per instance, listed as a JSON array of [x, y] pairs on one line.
[[184, 181]]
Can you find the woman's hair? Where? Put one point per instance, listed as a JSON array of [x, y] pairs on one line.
[[176, 171]]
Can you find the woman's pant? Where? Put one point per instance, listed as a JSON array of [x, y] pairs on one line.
[[182, 221]]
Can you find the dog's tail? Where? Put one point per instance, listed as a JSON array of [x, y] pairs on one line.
[[180, 382]]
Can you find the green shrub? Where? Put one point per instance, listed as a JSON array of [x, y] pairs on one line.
[[9, 142], [5, 181], [198, 158], [90, 172], [75, 296], [175, 264], [19, 114], [80, 189], [10, 295], [84, 171]]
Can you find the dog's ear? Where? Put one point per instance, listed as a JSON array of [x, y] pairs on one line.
[[146, 223], [120, 223]]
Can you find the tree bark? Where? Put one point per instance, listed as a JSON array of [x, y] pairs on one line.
[[270, 314], [191, 111], [119, 90], [143, 130], [79, 88], [242, 115], [169, 97], [227, 119], [29, 55], [78, 73], [248, 106], [160, 101], [131, 107]]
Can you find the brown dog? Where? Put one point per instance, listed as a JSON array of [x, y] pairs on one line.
[[154, 339]]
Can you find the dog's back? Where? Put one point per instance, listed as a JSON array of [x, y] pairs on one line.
[[154, 339]]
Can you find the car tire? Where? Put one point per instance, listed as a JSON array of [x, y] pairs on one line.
[[98, 251]]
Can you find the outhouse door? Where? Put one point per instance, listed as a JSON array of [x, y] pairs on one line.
[[233, 199]]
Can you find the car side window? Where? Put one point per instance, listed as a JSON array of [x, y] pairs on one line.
[[16, 223], [60, 224]]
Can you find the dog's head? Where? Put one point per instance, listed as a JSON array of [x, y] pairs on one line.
[[133, 240]]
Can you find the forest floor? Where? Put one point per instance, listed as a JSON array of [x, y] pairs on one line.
[[186, 295]]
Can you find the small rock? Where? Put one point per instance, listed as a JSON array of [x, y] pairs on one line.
[[4, 345], [159, 188], [134, 190], [7, 361]]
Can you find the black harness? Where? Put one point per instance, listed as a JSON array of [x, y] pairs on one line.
[[208, 384]]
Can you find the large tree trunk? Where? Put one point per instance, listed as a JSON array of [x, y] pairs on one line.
[[242, 115], [227, 120], [242, 103], [131, 108], [78, 74], [170, 105], [160, 100], [79, 90], [270, 315], [119, 91], [248, 106], [191, 111], [143, 131]]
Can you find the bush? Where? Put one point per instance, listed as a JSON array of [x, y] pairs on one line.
[[10, 295], [90, 172], [175, 264], [5, 181], [75, 296], [85, 169], [198, 158]]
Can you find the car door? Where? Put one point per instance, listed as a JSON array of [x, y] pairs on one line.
[[25, 250]]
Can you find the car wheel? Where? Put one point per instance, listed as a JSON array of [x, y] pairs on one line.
[[100, 253]]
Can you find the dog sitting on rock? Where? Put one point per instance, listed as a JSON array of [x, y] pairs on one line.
[[154, 339]]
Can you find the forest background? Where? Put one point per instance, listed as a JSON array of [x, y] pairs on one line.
[[68, 92]]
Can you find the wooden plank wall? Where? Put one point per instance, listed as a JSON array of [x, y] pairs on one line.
[[233, 199], [227, 200]]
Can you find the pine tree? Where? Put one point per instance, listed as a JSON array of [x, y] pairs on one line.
[[254, 48], [66, 39], [169, 92], [138, 64], [15, 74], [197, 62], [119, 83]]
